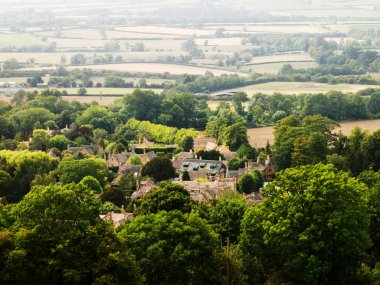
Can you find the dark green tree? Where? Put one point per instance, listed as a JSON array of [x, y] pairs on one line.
[[167, 197], [159, 168]]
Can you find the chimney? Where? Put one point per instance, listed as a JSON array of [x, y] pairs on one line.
[[122, 209], [220, 158], [200, 157]]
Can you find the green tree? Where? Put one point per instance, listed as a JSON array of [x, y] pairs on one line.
[[11, 64], [7, 128], [159, 168], [39, 140], [167, 197], [23, 166], [78, 59], [135, 160], [6, 183], [312, 228], [82, 91], [55, 226], [370, 148], [75, 170], [372, 180], [186, 176], [92, 184], [246, 184], [235, 136], [98, 117], [142, 105], [250, 182], [173, 248], [226, 214], [28, 117], [59, 141], [373, 104], [246, 151], [188, 143]]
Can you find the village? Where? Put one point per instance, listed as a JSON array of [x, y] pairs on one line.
[[205, 179]]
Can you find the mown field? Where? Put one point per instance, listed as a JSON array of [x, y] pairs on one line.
[[297, 88], [258, 137]]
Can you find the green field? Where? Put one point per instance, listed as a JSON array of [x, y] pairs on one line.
[[19, 40]]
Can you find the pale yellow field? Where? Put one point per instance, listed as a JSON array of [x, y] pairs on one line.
[[219, 42], [157, 68], [258, 137], [168, 30], [98, 91], [55, 58], [274, 28], [297, 88]]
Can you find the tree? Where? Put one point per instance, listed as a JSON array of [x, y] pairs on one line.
[[98, 117], [28, 117], [59, 141], [302, 142], [113, 80], [138, 47], [235, 136], [186, 176], [371, 150], [115, 196], [54, 226], [75, 170], [286, 69], [78, 59], [159, 168], [82, 91], [188, 143], [373, 104], [167, 197], [92, 184], [6, 183], [173, 248], [10, 64], [250, 182], [23, 166], [226, 215], [246, 151], [7, 128], [39, 140], [301, 233], [142, 105], [135, 160], [210, 154]]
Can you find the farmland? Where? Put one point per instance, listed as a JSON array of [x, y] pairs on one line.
[[297, 88], [258, 137]]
